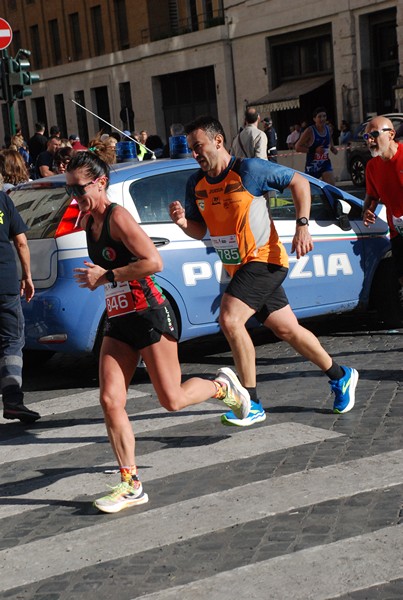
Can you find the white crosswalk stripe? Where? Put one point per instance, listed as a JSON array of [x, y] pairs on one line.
[[89, 546]]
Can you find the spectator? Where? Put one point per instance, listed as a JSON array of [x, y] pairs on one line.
[[62, 158], [156, 145], [12, 340], [271, 139], [37, 143], [19, 144], [251, 142], [142, 148], [45, 162], [74, 140], [12, 169], [65, 143], [345, 133], [55, 130], [294, 136], [288, 141]]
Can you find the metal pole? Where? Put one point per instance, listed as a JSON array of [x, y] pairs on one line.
[[117, 129]]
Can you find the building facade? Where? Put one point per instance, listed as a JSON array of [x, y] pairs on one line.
[[144, 64]]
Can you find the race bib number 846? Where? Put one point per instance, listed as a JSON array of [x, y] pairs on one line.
[[119, 299]]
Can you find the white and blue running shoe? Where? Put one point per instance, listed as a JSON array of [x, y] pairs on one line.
[[255, 415], [344, 390]]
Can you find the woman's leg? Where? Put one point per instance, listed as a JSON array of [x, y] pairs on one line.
[[116, 368], [165, 373]]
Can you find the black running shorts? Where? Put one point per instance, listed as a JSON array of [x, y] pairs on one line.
[[144, 328], [258, 285]]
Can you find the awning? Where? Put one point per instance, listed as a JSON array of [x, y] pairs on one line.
[[288, 94]]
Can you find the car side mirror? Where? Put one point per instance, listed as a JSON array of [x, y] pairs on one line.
[[342, 209]]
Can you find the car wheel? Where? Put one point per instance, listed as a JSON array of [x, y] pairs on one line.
[[357, 171], [384, 296]]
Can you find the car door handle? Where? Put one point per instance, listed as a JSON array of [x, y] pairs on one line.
[[160, 241]]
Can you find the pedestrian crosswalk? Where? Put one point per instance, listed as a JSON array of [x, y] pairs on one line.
[[212, 495]]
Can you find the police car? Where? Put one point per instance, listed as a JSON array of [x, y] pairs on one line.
[[349, 267]]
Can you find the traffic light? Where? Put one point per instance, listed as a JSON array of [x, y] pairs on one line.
[[19, 77]]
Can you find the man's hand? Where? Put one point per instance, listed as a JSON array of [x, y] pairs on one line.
[[368, 217], [27, 288], [177, 213], [302, 241]]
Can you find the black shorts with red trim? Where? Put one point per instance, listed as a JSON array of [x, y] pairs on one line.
[[142, 329]]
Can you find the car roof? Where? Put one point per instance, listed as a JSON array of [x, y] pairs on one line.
[[122, 171]]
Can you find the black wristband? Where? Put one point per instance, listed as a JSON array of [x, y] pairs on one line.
[[110, 276]]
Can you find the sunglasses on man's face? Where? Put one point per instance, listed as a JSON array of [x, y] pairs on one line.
[[375, 134]]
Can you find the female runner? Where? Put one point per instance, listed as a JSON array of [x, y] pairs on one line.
[[140, 320]]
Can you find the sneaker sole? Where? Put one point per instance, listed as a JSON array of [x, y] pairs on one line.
[[143, 499], [243, 422], [228, 373], [22, 418], [354, 380]]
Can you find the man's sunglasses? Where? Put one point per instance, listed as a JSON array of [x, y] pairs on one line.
[[78, 190], [375, 134]]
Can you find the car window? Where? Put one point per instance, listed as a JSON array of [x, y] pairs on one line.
[[282, 205], [41, 209], [152, 195]]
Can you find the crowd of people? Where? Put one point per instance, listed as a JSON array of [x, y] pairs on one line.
[[244, 237]]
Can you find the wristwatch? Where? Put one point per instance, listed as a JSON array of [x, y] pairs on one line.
[[110, 276], [302, 221]]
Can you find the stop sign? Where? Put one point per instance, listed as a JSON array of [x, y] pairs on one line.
[[6, 34]]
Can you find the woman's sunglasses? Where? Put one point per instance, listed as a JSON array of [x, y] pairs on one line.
[[78, 190]]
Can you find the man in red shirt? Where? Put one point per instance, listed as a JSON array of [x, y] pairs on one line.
[[384, 183]]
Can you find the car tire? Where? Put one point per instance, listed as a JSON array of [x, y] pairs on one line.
[[384, 296], [357, 171]]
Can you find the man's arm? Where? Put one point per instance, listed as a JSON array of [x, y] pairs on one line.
[[194, 229], [21, 246], [301, 194], [260, 144], [45, 171]]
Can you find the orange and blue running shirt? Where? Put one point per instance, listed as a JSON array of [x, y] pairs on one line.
[[235, 211]]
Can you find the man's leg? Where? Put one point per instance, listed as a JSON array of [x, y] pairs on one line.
[[11, 345], [233, 316], [343, 380], [285, 326]]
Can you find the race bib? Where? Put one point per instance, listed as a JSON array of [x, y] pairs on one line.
[[227, 249], [322, 155], [119, 299], [398, 223]]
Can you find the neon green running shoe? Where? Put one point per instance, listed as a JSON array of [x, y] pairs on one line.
[[237, 397], [122, 496]]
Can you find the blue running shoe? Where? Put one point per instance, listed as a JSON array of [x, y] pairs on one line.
[[255, 415], [344, 390]]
